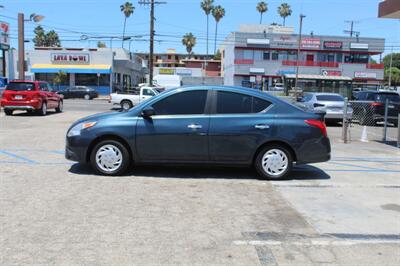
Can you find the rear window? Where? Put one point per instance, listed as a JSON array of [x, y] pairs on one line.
[[330, 98], [20, 86], [392, 97]]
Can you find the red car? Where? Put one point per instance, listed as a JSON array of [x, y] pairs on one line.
[[31, 96]]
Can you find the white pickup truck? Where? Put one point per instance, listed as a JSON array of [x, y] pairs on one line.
[[127, 101]]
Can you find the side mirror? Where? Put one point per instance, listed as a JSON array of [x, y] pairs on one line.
[[148, 112]]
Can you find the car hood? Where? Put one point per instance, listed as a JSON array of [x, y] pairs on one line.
[[97, 117]]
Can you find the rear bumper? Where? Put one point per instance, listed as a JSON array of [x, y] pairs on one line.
[[314, 151], [21, 105]]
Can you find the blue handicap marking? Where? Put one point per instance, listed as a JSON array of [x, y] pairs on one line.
[[18, 157]]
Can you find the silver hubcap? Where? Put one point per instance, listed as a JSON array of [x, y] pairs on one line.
[[44, 109], [108, 158], [87, 97], [275, 162], [126, 106], [60, 106]]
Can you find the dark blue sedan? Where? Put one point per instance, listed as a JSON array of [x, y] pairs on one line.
[[202, 125]]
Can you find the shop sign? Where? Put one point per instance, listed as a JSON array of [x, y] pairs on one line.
[[166, 71], [365, 75], [258, 41], [252, 79], [285, 72], [310, 43], [73, 58], [184, 72], [257, 70], [333, 45], [285, 41], [331, 73], [359, 46], [4, 38]]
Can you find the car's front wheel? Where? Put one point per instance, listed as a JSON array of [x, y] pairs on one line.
[[274, 162], [110, 157], [43, 109], [126, 105], [60, 107], [87, 97]]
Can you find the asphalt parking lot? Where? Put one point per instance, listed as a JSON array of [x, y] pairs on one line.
[[53, 211]]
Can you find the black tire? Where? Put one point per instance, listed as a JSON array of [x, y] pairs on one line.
[[126, 105], [43, 109], [8, 111], [126, 160], [258, 163], [60, 107]]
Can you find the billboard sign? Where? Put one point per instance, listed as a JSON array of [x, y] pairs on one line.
[[4, 38], [333, 45], [365, 75], [314, 43], [326, 72], [70, 58]]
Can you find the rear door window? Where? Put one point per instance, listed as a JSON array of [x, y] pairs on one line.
[[20, 86], [237, 103], [392, 97]]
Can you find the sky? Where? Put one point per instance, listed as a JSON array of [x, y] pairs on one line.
[[102, 18]]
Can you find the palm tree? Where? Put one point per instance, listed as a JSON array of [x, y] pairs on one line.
[[127, 9], [284, 11], [218, 13], [262, 7], [189, 41], [207, 6]]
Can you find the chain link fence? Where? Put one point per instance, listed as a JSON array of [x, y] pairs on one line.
[[371, 121]]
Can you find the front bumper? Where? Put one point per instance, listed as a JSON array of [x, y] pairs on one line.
[[76, 149]]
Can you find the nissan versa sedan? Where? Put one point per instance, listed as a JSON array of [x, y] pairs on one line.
[[202, 125]]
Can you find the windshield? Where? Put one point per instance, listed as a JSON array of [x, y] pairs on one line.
[[392, 97], [20, 86], [330, 98]]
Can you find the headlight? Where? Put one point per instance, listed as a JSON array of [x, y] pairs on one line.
[[76, 130]]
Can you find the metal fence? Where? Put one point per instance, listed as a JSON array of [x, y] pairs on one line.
[[371, 121]]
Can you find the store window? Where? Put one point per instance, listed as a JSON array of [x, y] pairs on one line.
[[248, 54], [275, 56], [266, 56], [258, 55], [357, 58], [92, 79]]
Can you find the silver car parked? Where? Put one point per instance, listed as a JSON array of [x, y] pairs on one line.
[[331, 103]]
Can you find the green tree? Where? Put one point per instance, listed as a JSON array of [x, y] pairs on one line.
[[60, 78], [395, 76], [217, 55], [40, 36], [218, 13], [101, 44], [284, 10], [207, 6], [127, 9], [396, 60], [52, 39], [189, 40], [262, 7]]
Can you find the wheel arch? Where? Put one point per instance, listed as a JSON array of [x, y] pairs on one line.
[[107, 137], [275, 142]]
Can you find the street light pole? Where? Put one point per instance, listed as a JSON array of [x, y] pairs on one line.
[[390, 68], [298, 50], [21, 48]]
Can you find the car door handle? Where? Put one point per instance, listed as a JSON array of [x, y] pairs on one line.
[[194, 126], [261, 126]]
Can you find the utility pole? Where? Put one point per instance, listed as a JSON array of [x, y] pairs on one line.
[[21, 48], [298, 50], [351, 31], [390, 68], [152, 32]]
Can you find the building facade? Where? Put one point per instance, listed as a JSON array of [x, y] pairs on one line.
[[256, 58], [103, 69], [389, 9]]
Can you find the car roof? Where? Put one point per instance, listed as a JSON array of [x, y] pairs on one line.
[[383, 92], [324, 93]]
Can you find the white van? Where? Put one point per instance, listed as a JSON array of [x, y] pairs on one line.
[[168, 81]]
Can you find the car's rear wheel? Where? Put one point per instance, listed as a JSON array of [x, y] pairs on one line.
[[274, 162], [8, 111], [43, 109], [110, 157], [86, 97], [126, 105], [60, 107]]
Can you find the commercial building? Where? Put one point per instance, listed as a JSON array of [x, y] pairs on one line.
[[103, 69], [258, 56], [389, 9]]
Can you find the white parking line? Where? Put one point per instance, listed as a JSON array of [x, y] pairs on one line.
[[317, 242]]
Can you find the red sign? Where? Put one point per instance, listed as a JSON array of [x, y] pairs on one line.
[[244, 61], [70, 58], [333, 45], [331, 73], [310, 43]]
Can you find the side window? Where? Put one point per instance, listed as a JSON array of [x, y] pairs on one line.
[[184, 103], [371, 97], [43, 87], [148, 92], [307, 98], [236, 103]]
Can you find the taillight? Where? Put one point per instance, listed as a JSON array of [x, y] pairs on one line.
[[319, 124], [376, 104]]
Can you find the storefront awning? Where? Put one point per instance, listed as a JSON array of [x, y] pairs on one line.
[[79, 69], [318, 77]]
